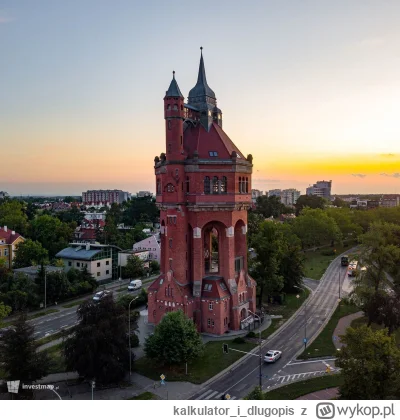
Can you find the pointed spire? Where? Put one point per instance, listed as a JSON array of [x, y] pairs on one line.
[[201, 88], [173, 89]]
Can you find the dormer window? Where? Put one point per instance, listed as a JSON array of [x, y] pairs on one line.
[[213, 154]]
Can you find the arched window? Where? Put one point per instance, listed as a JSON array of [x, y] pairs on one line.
[[154, 314], [175, 108], [240, 298], [158, 186], [215, 185], [187, 184], [247, 185], [223, 185], [169, 124], [181, 107], [207, 189], [169, 147], [240, 185], [170, 242], [168, 107]]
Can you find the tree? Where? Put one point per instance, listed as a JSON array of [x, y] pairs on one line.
[[256, 394], [18, 291], [370, 364], [134, 267], [53, 234], [99, 347], [268, 243], [175, 340], [154, 266], [338, 202], [29, 253], [271, 206], [72, 215], [12, 215], [138, 206], [4, 311], [311, 201], [254, 221], [344, 220], [315, 227], [20, 360]]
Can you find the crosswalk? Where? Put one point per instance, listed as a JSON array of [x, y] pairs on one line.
[[290, 378], [210, 394]]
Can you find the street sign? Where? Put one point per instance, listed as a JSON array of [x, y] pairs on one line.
[[304, 340], [93, 384], [227, 397], [162, 377]]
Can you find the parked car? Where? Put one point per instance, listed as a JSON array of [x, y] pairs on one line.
[[135, 285], [3, 331], [272, 356], [101, 295]]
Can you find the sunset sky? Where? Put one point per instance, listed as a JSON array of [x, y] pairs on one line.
[[310, 88]]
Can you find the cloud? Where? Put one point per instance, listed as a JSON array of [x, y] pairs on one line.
[[394, 175], [359, 175]]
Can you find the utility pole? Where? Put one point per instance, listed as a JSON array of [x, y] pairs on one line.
[[129, 329], [260, 341], [339, 284], [45, 288]]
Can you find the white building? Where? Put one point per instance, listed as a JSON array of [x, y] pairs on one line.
[[151, 244], [321, 189], [103, 198], [271, 193], [100, 260], [255, 194], [290, 196]]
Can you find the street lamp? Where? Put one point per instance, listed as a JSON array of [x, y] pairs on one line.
[[305, 315], [259, 327], [129, 333]]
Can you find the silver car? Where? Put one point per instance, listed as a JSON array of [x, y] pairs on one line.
[[272, 356], [101, 295]]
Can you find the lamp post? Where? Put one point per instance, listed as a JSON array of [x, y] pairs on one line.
[[45, 288], [305, 316], [259, 327], [129, 333], [339, 284]]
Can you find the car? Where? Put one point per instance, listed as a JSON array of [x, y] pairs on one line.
[[272, 356], [135, 285], [101, 295]]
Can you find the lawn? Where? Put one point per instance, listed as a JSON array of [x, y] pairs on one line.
[[43, 313], [145, 396], [51, 337], [200, 370], [72, 304], [57, 361], [323, 344], [364, 321], [298, 389], [315, 263]]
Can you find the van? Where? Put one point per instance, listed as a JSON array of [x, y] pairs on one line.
[[135, 285]]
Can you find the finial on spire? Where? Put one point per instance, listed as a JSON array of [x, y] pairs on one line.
[[173, 74], [201, 50]]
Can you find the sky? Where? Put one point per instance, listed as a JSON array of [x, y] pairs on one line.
[[310, 88]]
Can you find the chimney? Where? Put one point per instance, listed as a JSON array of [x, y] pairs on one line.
[[87, 247], [5, 228]]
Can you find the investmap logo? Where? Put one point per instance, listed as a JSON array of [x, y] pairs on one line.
[[325, 411], [13, 386]]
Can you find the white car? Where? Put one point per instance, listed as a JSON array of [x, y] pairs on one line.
[[272, 356]]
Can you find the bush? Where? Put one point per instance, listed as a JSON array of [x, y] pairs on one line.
[[251, 334], [134, 340], [238, 340], [328, 252]]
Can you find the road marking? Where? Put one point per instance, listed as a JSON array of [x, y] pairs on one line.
[[309, 361], [203, 395], [238, 382], [66, 325], [211, 395]]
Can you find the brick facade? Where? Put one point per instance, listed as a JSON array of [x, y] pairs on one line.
[[203, 185]]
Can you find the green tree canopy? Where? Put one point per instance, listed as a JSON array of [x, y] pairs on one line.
[[4, 311], [12, 215], [175, 340], [311, 201], [99, 347], [370, 365], [30, 253], [18, 354], [134, 267], [271, 206]]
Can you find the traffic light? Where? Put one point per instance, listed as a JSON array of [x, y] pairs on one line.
[[225, 347]]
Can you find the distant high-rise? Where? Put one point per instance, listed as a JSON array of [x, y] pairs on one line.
[[104, 197], [321, 189], [288, 197]]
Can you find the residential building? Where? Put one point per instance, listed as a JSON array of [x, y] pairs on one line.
[[123, 257], [277, 193], [255, 194], [390, 201], [321, 189], [99, 198], [96, 215], [290, 196], [9, 239], [203, 185], [150, 244], [142, 194], [100, 260]]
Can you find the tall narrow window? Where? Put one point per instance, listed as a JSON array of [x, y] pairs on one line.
[[207, 185], [158, 186], [170, 242], [187, 184], [215, 185], [175, 108], [240, 185], [247, 185], [223, 185], [169, 124], [169, 148]]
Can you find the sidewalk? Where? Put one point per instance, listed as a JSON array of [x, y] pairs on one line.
[[323, 394], [342, 326]]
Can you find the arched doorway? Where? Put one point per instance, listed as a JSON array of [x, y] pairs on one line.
[[243, 314], [211, 249]]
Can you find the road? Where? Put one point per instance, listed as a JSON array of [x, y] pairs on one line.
[[67, 317], [239, 381]]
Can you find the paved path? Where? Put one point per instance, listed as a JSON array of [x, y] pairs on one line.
[[323, 394], [342, 326]]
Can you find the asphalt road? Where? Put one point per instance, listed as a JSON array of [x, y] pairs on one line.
[[242, 379], [52, 323]]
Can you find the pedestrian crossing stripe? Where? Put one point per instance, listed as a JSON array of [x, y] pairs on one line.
[[212, 395]]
